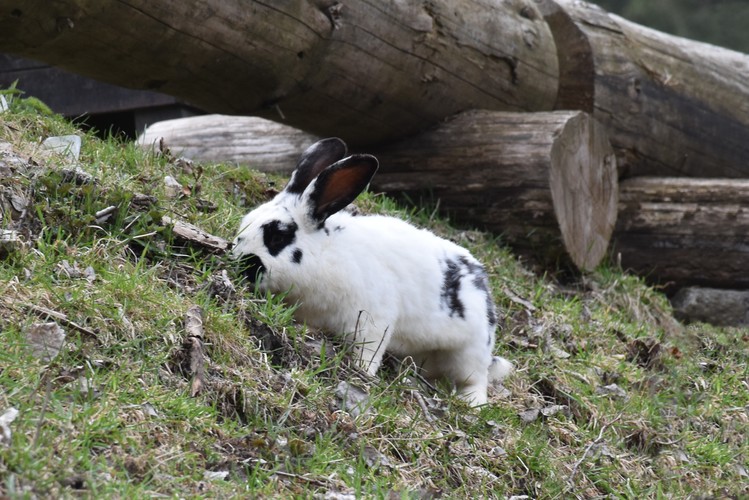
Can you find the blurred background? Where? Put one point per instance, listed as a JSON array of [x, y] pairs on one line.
[[720, 22]]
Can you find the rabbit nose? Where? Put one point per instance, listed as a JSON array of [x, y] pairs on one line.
[[251, 267]]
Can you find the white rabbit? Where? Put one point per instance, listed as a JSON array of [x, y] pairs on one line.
[[377, 280]]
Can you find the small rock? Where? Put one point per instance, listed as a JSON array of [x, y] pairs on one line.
[[373, 458], [741, 470], [530, 415], [497, 452], [149, 410], [68, 146], [681, 456], [553, 410], [6, 419], [10, 242], [335, 495], [353, 399], [611, 390], [19, 202], [711, 305], [557, 352], [172, 188], [45, 340], [218, 475]]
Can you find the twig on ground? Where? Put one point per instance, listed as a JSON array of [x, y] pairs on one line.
[[193, 345], [590, 447], [420, 399], [194, 234]]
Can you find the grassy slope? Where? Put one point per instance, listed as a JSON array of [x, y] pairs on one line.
[[112, 414]]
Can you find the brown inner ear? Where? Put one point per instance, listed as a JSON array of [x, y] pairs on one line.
[[340, 185]]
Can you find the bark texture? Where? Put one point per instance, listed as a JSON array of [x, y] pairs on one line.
[[672, 106], [364, 70], [546, 181], [681, 231]]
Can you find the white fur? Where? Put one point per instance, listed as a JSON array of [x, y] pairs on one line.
[[380, 282]]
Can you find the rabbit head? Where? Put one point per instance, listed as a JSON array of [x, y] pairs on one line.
[[270, 236]]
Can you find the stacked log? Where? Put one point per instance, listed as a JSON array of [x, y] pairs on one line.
[[672, 106], [681, 231], [545, 181], [243, 140]]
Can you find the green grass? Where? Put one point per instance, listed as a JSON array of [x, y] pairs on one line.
[[113, 416]]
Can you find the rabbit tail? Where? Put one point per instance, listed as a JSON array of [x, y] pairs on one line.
[[499, 369]]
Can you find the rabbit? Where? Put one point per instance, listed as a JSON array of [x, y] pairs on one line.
[[379, 281]]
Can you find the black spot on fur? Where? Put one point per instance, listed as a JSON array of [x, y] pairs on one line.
[[277, 236], [481, 282], [455, 272], [297, 256], [451, 288]]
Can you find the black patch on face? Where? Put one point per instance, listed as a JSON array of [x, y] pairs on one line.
[[451, 288], [296, 258], [277, 236], [251, 267]]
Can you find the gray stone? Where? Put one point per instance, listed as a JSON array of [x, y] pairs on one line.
[[712, 305]]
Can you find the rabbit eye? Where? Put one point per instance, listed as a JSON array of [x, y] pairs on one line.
[[277, 236]]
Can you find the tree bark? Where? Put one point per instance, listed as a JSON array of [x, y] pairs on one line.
[[259, 143], [546, 181], [364, 70], [679, 231], [671, 106]]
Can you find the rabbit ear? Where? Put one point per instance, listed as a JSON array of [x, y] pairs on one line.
[[314, 160], [338, 185]]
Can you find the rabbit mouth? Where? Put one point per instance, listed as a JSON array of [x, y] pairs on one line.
[[251, 267]]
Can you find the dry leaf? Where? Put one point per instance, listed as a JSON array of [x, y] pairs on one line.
[[45, 340]]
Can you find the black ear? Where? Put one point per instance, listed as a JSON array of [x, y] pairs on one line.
[[314, 160], [339, 185]]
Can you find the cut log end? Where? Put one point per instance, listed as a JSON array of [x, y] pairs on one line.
[[583, 182], [546, 181]]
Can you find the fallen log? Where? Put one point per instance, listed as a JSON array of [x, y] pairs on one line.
[[262, 144], [681, 232], [365, 71], [546, 181], [671, 106]]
